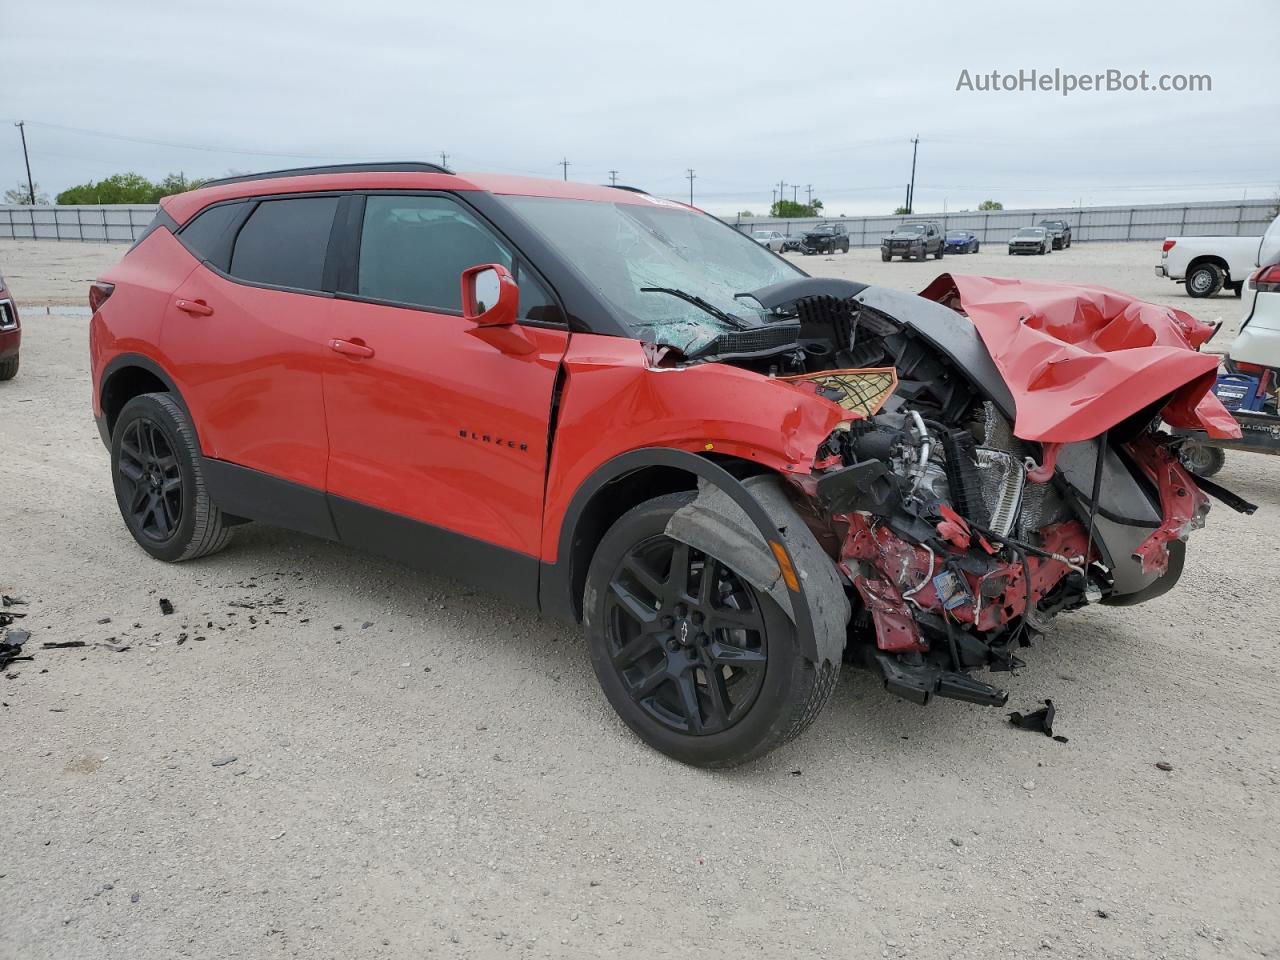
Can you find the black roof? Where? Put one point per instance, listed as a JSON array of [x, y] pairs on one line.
[[410, 166]]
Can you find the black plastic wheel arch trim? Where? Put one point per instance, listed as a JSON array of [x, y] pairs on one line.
[[555, 588], [143, 362]]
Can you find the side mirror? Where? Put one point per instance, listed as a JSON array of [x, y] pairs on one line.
[[490, 297]]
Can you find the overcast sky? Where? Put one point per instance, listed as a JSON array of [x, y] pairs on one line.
[[745, 93]]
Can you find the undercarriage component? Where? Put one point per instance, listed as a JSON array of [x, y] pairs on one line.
[[920, 683]]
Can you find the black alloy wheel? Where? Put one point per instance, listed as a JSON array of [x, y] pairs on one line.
[[700, 664], [687, 637], [151, 480]]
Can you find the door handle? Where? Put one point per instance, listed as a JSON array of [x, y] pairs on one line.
[[197, 308], [351, 348]]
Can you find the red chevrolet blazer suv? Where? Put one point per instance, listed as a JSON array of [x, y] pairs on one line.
[[621, 411]]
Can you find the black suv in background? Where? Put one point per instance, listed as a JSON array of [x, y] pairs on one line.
[[913, 241], [825, 238], [1059, 230]]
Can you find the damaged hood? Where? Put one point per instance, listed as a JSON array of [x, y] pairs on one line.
[[1080, 359]]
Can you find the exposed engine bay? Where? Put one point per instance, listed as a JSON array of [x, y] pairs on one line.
[[957, 540]]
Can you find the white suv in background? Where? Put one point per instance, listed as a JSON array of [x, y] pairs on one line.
[[1259, 338]]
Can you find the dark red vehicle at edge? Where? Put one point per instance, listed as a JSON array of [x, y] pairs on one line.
[[10, 333], [620, 411]]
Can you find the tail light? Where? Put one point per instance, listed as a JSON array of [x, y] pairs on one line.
[[1266, 280], [1168, 245], [98, 293]]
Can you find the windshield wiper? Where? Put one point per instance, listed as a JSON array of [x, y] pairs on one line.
[[701, 304]]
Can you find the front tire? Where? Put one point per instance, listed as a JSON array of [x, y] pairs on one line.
[[698, 663], [9, 368], [159, 484]]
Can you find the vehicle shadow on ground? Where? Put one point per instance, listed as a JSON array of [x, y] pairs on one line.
[[547, 659]]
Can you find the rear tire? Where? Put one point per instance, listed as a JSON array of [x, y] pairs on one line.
[[1204, 280], [696, 687], [159, 484], [9, 368]]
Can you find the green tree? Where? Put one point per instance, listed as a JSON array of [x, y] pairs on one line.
[[991, 205], [900, 211], [789, 208], [22, 194], [128, 188], [745, 215]]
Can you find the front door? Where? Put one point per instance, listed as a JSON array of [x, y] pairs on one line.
[[438, 429]]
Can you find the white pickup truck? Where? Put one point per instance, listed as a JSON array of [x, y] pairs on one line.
[[1207, 264]]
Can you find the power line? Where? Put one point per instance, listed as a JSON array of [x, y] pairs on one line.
[[565, 165], [690, 174]]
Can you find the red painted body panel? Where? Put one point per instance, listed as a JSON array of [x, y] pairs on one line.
[[1079, 359], [250, 373], [446, 423], [131, 320], [613, 402]]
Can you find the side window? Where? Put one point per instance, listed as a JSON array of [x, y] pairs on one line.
[[413, 250], [208, 235], [283, 243]]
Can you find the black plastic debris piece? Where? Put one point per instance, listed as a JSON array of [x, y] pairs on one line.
[[182, 638], [165, 606], [1041, 720], [11, 647], [1060, 738], [61, 644], [1164, 765], [104, 620], [8, 616], [9, 601]]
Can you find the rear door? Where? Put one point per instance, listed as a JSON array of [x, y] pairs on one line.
[[244, 335], [438, 429]]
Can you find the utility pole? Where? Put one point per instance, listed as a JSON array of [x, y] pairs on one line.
[[31, 187], [444, 160], [795, 194], [782, 191], [613, 178], [911, 191], [774, 199], [809, 188], [690, 174], [565, 164]]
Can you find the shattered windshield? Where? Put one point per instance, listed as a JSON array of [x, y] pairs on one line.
[[620, 249]]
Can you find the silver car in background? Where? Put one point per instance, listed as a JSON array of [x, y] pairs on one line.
[[769, 238]]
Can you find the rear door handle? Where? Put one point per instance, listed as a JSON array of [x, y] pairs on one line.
[[197, 308], [350, 348]]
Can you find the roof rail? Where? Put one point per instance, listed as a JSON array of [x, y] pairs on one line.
[[623, 186], [387, 167]]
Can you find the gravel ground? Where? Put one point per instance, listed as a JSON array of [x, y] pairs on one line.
[[321, 754]]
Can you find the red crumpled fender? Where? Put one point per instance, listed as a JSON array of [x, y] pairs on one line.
[[1079, 359]]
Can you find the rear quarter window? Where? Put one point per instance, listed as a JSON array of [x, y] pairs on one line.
[[284, 242], [210, 233]]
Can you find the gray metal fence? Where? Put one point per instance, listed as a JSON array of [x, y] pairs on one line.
[[1242, 218], [111, 223]]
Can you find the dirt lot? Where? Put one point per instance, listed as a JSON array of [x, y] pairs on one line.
[[320, 754]]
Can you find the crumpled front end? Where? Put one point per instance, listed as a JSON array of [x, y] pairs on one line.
[[960, 516]]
